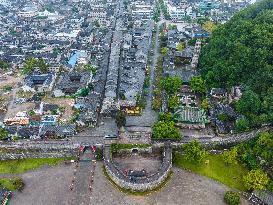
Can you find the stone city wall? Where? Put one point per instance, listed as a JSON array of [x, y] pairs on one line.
[[37, 150], [142, 183]]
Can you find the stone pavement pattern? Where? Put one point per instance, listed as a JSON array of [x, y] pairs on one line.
[[50, 186]]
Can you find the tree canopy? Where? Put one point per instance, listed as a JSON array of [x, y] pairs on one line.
[[120, 119], [232, 198], [180, 46], [166, 130], [240, 53], [198, 84], [230, 156], [171, 84], [256, 179], [3, 133], [194, 152], [4, 65]]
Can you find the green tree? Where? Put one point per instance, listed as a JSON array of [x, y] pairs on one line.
[[205, 104], [164, 50], [223, 117], [97, 23], [171, 84], [156, 104], [180, 46], [29, 65], [194, 152], [173, 102], [166, 130], [166, 117], [90, 86], [120, 119], [255, 180], [209, 26], [90, 68], [241, 125], [230, 156], [42, 65], [264, 146], [84, 92], [4, 65], [198, 84], [249, 103], [232, 198], [3, 133]]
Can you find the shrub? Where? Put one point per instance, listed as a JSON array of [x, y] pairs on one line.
[[99, 154], [12, 183], [256, 180], [232, 198], [230, 156]]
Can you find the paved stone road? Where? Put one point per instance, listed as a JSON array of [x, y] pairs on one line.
[[148, 117], [83, 178]]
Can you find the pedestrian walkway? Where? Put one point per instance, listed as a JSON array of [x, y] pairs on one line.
[[82, 183]]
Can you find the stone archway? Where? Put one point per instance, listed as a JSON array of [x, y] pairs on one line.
[[134, 151]]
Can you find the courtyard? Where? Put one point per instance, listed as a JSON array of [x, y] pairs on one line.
[[137, 162], [50, 185]]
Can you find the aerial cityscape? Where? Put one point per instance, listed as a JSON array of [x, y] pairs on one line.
[[136, 102]]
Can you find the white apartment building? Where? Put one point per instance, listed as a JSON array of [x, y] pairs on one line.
[[141, 11]]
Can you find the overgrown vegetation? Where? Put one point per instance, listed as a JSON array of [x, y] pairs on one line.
[[240, 53], [120, 119], [232, 198], [12, 184]]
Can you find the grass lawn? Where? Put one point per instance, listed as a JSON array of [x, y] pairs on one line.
[[230, 175], [23, 165]]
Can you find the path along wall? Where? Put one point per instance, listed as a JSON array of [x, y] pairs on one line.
[[143, 183]]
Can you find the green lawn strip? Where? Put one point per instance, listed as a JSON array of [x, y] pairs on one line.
[[130, 192], [23, 165], [230, 175], [116, 147], [12, 184]]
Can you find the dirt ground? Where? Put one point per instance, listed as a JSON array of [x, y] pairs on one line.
[[10, 80], [136, 162], [62, 102], [19, 108], [50, 186]]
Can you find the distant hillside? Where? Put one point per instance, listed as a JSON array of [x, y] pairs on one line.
[[240, 52]]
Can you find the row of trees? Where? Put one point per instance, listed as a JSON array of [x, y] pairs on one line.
[[156, 12], [164, 10], [172, 85]]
